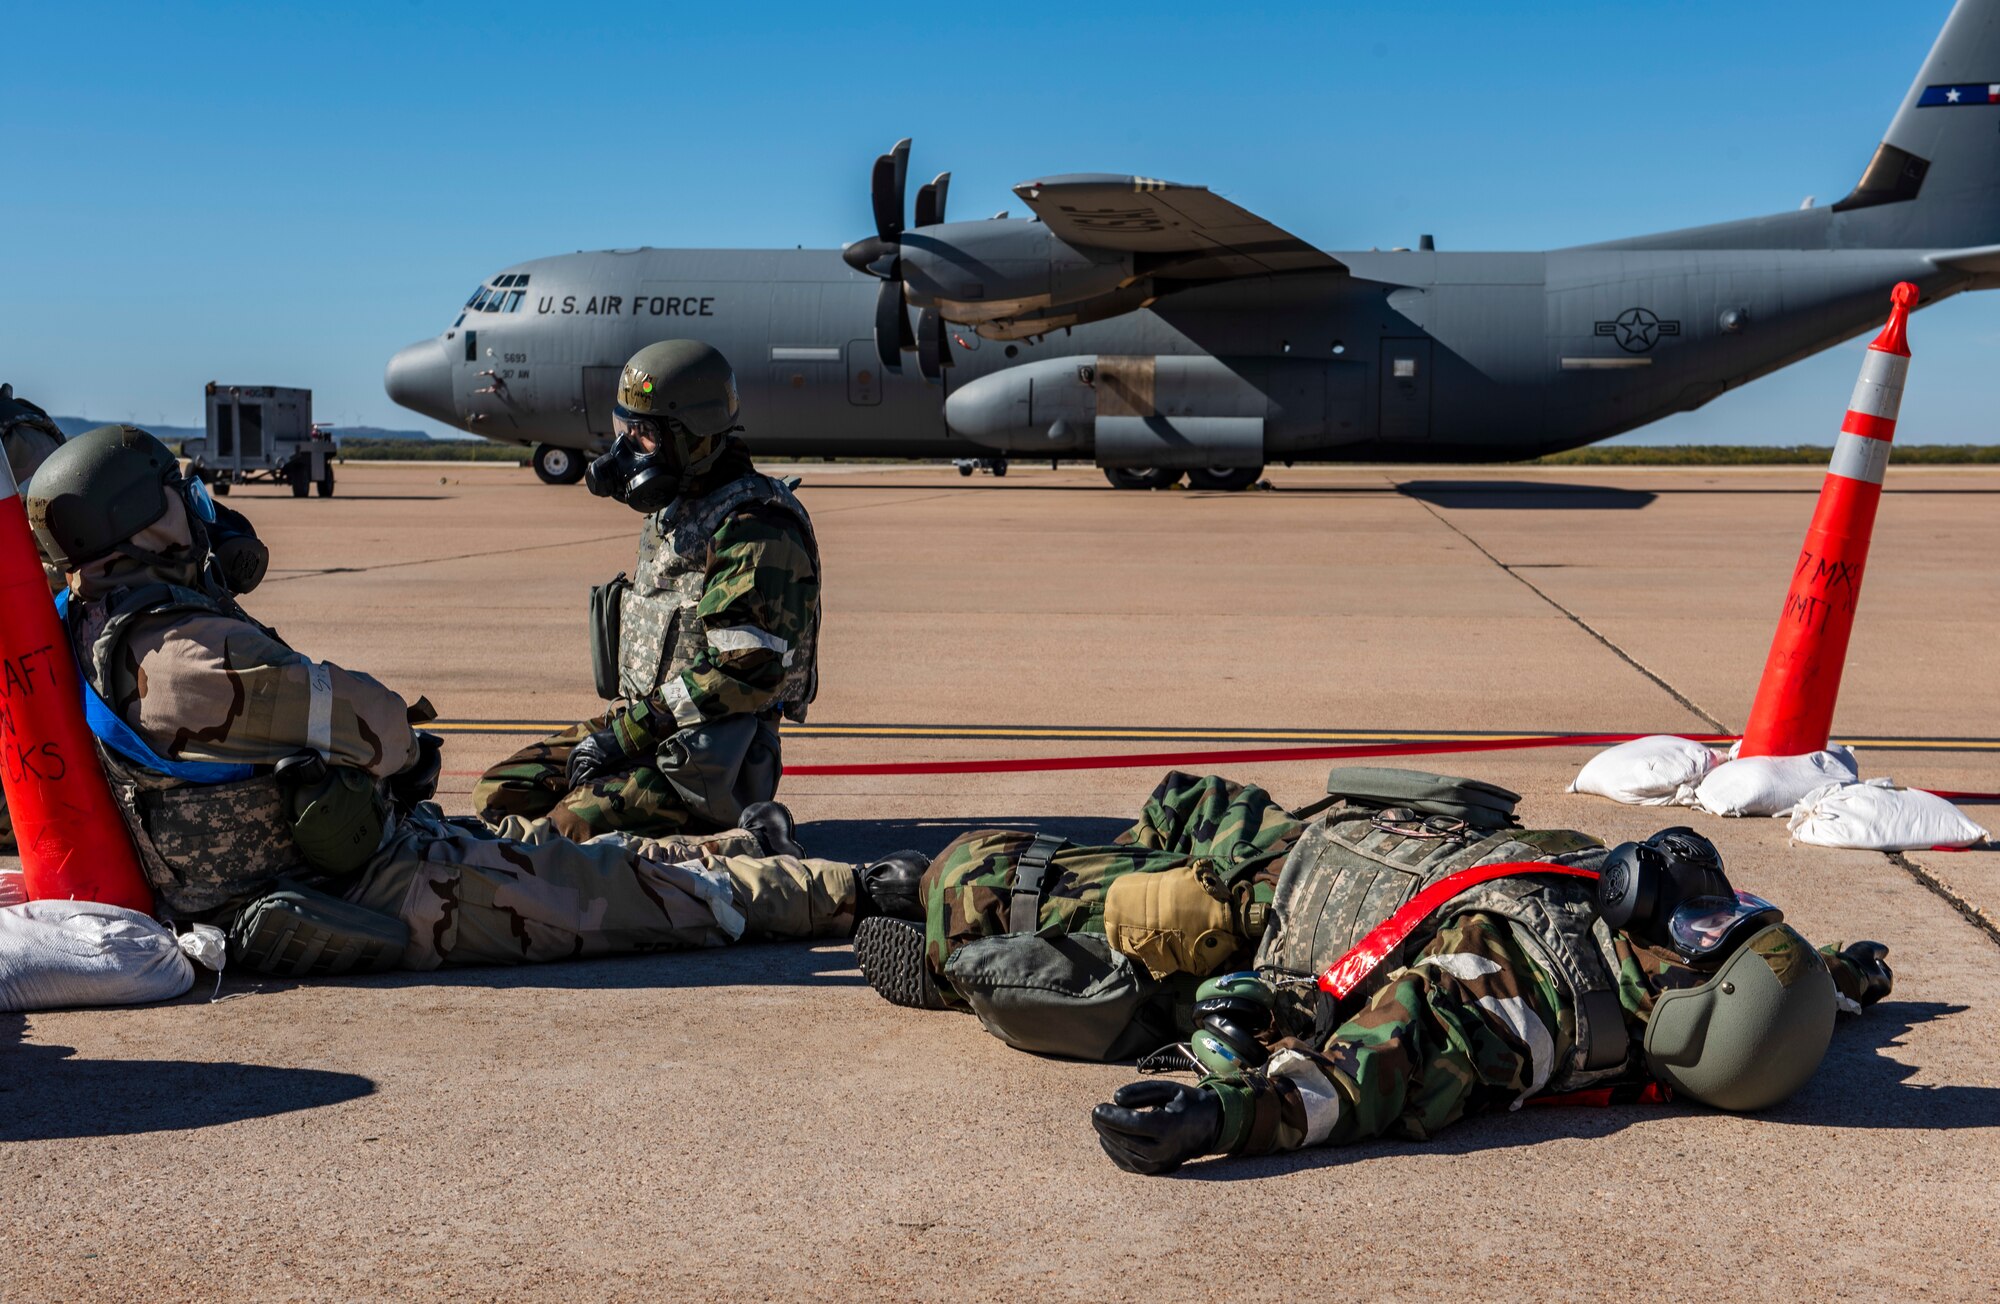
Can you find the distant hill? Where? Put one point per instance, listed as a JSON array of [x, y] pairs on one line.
[[174, 434]]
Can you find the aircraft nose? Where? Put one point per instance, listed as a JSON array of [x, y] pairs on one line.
[[419, 378]]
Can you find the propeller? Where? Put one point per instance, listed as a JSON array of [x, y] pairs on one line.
[[881, 256]]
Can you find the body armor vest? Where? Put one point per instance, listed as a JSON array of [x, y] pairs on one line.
[[659, 635], [1357, 865], [204, 847]]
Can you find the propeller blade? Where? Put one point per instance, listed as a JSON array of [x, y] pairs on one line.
[[929, 210], [888, 312], [885, 189], [930, 344]]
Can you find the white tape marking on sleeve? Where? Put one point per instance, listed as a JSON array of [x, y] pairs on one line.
[[1321, 1100], [1513, 1014], [1461, 965], [675, 694], [319, 715], [746, 638]]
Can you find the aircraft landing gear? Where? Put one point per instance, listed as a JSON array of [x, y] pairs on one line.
[[967, 465], [1141, 477], [558, 465], [1225, 479]]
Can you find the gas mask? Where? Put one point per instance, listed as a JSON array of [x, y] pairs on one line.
[[1670, 891], [641, 468], [237, 557]]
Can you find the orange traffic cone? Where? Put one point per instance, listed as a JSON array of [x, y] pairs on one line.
[[73, 841], [1793, 714]]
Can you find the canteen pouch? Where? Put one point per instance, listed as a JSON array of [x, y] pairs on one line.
[[606, 600], [296, 932], [336, 818], [1175, 921], [1068, 995]]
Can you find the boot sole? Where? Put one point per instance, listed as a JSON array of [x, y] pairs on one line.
[[891, 955]]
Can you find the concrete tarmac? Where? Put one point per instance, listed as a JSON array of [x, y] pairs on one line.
[[755, 1122]]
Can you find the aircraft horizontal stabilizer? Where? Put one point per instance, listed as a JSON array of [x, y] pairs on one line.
[[1194, 233], [1982, 263]]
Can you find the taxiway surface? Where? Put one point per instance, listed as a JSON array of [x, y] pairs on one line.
[[756, 1122]]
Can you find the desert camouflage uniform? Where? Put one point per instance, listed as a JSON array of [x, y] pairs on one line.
[[215, 687], [701, 698], [29, 437], [1470, 1024]]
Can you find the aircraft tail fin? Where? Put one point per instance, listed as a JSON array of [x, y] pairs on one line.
[[1935, 179]]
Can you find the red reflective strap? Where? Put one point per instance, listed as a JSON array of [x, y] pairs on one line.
[[1651, 1093], [1350, 970]]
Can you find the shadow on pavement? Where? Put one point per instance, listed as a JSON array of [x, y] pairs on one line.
[[1525, 494], [861, 840], [46, 1094], [1857, 1086]]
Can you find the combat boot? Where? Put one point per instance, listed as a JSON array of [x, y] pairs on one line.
[[890, 953], [771, 823], [1871, 961], [892, 886]]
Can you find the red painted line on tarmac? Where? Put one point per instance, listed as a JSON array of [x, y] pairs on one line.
[[1237, 756]]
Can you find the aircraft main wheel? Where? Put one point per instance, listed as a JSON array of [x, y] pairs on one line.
[[558, 465], [965, 468], [1137, 477], [326, 486], [1000, 466], [1226, 479]]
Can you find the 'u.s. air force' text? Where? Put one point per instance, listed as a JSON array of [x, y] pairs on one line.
[[641, 305]]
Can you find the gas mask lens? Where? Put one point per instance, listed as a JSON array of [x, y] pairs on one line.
[[1708, 928], [199, 502]]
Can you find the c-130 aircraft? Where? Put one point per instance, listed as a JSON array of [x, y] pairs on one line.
[[1161, 330]]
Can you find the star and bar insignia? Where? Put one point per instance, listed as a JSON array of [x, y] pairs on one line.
[[1638, 329], [1951, 97]]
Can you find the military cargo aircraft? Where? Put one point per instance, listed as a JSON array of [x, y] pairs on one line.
[[1161, 330]]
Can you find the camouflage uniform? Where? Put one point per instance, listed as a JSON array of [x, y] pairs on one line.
[[213, 686], [1471, 1024], [29, 436], [716, 642]]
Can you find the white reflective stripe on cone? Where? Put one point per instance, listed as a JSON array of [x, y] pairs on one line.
[[1879, 391], [1857, 457]]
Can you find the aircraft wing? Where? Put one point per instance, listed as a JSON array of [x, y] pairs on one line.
[[1190, 232]]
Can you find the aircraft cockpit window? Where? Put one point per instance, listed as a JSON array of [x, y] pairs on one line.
[[474, 296], [514, 298]]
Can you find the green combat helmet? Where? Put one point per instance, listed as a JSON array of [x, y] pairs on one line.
[[28, 433], [97, 491], [1751, 1035], [688, 390]]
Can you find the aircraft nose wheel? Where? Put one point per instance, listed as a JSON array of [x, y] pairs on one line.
[[558, 465], [1226, 479], [1141, 477]]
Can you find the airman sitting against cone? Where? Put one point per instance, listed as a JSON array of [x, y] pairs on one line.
[[1640, 968], [709, 644], [287, 799]]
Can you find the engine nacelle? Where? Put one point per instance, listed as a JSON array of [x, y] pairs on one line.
[[1171, 412], [977, 273]]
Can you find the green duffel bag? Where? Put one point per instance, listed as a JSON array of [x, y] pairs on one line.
[[1481, 805], [1069, 995]]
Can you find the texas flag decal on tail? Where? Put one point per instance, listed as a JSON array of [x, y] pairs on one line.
[[1943, 97]]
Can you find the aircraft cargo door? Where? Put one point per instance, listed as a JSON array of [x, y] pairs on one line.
[[1406, 388], [600, 395]]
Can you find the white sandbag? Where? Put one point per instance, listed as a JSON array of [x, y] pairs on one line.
[[1648, 771], [66, 953], [13, 887], [1876, 817], [1772, 785]]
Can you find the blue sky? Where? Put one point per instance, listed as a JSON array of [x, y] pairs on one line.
[[286, 194]]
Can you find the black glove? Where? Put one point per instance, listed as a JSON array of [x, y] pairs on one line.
[[418, 781], [597, 757], [1871, 961], [1154, 1127]]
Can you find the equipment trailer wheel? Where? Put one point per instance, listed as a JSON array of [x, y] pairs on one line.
[[558, 465], [325, 486], [296, 476], [1225, 479], [1138, 477]]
